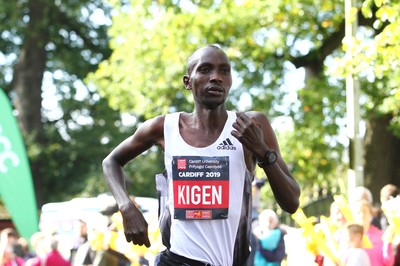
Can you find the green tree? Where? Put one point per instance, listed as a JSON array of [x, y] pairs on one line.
[[375, 60], [62, 41], [47, 48], [264, 39]]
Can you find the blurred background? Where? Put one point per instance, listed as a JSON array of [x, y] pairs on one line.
[[80, 76]]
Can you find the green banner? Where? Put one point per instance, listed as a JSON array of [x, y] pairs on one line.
[[16, 186]]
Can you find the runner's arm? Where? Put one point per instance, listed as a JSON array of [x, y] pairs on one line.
[[148, 134], [255, 132]]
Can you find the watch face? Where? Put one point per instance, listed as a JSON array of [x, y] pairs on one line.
[[272, 157]]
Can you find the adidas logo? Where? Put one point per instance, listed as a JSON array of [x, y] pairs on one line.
[[226, 145]]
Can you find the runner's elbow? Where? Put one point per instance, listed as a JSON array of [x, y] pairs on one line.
[[291, 205], [107, 163]]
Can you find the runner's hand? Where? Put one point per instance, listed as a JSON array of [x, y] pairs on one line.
[[250, 133], [135, 226]]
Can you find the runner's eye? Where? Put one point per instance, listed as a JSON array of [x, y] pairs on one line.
[[226, 71], [205, 70]]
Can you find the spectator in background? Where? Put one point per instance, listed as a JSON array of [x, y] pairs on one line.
[[388, 195], [381, 253], [387, 192], [355, 255], [338, 224], [53, 256], [339, 221], [9, 240], [37, 241], [270, 242], [26, 252], [8, 236], [84, 254], [9, 258], [47, 250], [363, 193]]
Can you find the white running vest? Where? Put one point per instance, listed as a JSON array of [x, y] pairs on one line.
[[205, 196]]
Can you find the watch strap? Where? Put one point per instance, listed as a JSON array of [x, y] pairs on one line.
[[266, 161]]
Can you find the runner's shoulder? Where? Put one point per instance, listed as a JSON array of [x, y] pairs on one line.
[[260, 116], [153, 125]]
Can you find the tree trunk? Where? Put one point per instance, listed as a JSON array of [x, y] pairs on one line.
[[382, 153], [27, 83]]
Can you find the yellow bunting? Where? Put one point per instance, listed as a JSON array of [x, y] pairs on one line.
[[315, 238], [344, 208], [96, 240]]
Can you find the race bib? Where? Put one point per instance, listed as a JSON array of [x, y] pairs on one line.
[[201, 187]]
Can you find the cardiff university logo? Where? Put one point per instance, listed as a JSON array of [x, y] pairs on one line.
[[181, 164]]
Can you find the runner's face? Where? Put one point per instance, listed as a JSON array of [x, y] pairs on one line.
[[211, 78]]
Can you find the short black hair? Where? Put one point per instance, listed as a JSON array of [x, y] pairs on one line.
[[193, 58]]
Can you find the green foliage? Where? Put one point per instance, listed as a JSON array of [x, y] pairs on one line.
[[151, 42], [72, 151], [80, 129], [376, 60]]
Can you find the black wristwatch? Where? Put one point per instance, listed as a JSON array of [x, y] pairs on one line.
[[270, 157]]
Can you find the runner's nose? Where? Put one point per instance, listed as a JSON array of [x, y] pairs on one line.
[[216, 76]]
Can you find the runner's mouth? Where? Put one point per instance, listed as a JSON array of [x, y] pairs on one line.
[[214, 89]]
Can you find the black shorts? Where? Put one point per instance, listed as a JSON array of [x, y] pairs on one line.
[[167, 258]]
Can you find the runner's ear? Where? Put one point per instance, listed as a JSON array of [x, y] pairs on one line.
[[186, 82]]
